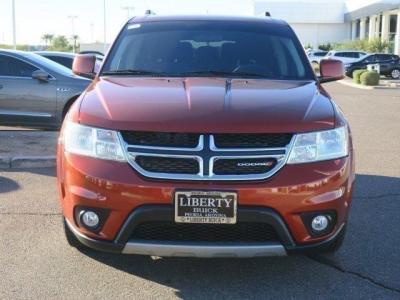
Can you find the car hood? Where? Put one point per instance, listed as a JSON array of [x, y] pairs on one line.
[[207, 105]]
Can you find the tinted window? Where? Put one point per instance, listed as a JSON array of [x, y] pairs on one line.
[[10, 66], [239, 49], [320, 54], [342, 54], [65, 61], [369, 59], [382, 57]]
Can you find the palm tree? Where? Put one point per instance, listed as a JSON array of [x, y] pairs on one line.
[[47, 38], [75, 39]]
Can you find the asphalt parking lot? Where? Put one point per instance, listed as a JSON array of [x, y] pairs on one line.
[[36, 261]]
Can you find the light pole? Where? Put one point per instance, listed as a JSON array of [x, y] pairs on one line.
[[104, 23], [72, 18], [92, 32], [128, 10], [13, 26]]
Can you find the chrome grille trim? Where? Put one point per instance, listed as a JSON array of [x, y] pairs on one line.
[[206, 153]]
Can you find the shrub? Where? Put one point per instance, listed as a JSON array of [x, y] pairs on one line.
[[369, 78], [357, 74], [325, 47], [374, 45]]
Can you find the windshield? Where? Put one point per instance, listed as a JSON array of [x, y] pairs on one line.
[[208, 48]]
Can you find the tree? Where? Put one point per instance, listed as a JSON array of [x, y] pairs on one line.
[[60, 43], [47, 38]]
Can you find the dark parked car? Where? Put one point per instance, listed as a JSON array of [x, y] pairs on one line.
[[63, 58], [99, 55], [389, 64], [67, 59], [35, 91]]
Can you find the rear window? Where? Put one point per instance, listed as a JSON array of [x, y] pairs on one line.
[[65, 61], [237, 49]]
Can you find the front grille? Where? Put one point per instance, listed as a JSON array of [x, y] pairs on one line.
[[161, 139], [269, 140], [192, 156], [180, 232], [244, 166], [168, 164]]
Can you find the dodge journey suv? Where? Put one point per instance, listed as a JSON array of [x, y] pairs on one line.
[[206, 136]]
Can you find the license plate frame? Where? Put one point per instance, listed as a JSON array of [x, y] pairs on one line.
[[223, 210]]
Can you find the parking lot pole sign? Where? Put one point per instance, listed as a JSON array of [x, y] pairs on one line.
[[13, 25]]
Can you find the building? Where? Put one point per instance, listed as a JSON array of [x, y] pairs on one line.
[[319, 22], [376, 19]]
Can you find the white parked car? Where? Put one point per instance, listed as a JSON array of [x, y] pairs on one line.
[[315, 56], [346, 56]]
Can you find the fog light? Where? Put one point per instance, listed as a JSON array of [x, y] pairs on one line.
[[320, 223], [90, 219]]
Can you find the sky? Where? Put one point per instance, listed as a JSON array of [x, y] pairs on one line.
[[37, 17]]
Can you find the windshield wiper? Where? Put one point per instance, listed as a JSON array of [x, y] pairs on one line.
[[133, 72], [222, 73]]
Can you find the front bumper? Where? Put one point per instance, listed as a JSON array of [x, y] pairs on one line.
[[124, 244], [116, 187]]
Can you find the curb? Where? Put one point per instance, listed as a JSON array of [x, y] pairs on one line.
[[364, 87], [20, 162]]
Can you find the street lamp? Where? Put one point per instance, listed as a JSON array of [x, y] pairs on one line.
[[104, 23], [13, 26], [72, 18]]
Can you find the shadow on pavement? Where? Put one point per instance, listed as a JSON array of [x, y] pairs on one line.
[[51, 172], [369, 251], [8, 185]]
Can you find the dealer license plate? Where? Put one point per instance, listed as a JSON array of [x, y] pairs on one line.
[[205, 207]]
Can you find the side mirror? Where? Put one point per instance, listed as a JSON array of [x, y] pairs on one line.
[[40, 75], [84, 65], [330, 70]]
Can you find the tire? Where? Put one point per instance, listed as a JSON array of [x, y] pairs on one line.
[[67, 107], [71, 238], [395, 73]]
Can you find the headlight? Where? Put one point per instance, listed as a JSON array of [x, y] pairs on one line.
[[94, 142], [320, 145], [347, 65]]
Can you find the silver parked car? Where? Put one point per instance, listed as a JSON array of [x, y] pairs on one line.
[[35, 91]]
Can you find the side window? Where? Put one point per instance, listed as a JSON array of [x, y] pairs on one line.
[[23, 69], [341, 54], [369, 59], [65, 61], [10, 66], [5, 66], [382, 57]]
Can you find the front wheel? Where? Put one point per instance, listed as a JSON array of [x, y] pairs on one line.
[[395, 74]]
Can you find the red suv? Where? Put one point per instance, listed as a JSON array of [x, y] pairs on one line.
[[206, 136]]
